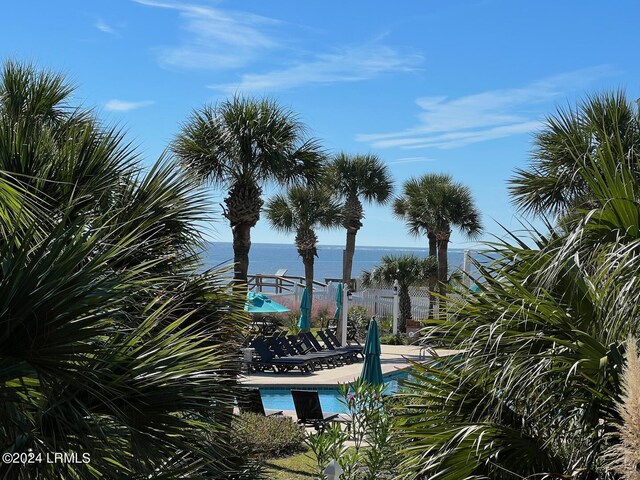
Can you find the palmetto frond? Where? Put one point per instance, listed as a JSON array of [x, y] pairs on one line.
[[532, 392], [434, 202], [362, 176], [303, 207], [302, 210], [244, 140], [243, 144], [409, 270], [113, 342], [606, 123]]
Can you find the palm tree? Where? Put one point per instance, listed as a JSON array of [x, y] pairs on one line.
[[357, 178], [302, 210], [433, 204], [36, 115], [113, 341], [410, 207], [552, 184], [533, 393], [243, 144], [409, 270]]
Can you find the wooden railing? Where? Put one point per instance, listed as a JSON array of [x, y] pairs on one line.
[[279, 283]]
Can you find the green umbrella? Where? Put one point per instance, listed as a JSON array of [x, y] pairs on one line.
[[260, 303], [371, 369], [305, 305], [338, 313]]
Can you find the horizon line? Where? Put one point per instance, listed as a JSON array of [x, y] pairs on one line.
[[342, 246]]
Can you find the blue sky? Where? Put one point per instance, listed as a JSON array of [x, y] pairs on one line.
[[455, 87]]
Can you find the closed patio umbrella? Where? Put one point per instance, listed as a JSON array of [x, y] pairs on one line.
[[338, 313], [372, 369], [305, 305]]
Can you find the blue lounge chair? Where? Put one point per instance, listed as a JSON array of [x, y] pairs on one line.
[[333, 340], [267, 360], [250, 400], [309, 411]]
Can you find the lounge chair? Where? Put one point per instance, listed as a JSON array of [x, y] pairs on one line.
[[294, 343], [309, 411], [277, 345], [347, 356], [336, 343], [280, 365], [349, 351], [250, 400]]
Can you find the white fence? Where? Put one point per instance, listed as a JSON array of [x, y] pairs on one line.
[[378, 302], [288, 291]]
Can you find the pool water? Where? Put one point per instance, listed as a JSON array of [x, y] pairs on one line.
[[280, 398]]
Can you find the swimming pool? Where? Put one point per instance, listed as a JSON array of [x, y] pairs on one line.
[[280, 398]]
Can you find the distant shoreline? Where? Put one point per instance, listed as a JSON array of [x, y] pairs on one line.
[[358, 247], [268, 258]]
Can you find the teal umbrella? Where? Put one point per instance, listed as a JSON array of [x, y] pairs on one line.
[[260, 303], [305, 305], [371, 369], [338, 313]]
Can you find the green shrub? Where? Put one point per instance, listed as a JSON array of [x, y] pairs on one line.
[[321, 317], [267, 437], [291, 323], [385, 324], [359, 317], [393, 340]]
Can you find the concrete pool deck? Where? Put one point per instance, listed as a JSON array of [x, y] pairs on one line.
[[393, 358]]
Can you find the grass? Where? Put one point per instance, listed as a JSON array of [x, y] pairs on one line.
[[296, 467]]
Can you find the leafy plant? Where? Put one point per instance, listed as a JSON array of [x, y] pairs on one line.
[[326, 445], [321, 317], [358, 318], [268, 437], [371, 432], [385, 324], [114, 342], [532, 392], [396, 339]]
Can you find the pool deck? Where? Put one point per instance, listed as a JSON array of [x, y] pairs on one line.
[[393, 359]]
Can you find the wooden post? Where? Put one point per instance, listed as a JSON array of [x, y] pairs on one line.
[[396, 306], [345, 314]]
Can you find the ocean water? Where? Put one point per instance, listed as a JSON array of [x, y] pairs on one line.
[[267, 258]]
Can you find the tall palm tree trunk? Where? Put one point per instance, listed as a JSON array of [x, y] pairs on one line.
[[241, 247], [243, 211], [352, 222], [443, 259], [433, 279], [349, 252], [308, 262], [405, 307]]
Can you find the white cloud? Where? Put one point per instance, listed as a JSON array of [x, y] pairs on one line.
[[103, 27], [124, 106], [399, 161], [215, 38], [450, 123], [345, 65]]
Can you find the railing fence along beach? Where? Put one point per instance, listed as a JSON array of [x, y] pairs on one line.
[[379, 302], [287, 289]]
